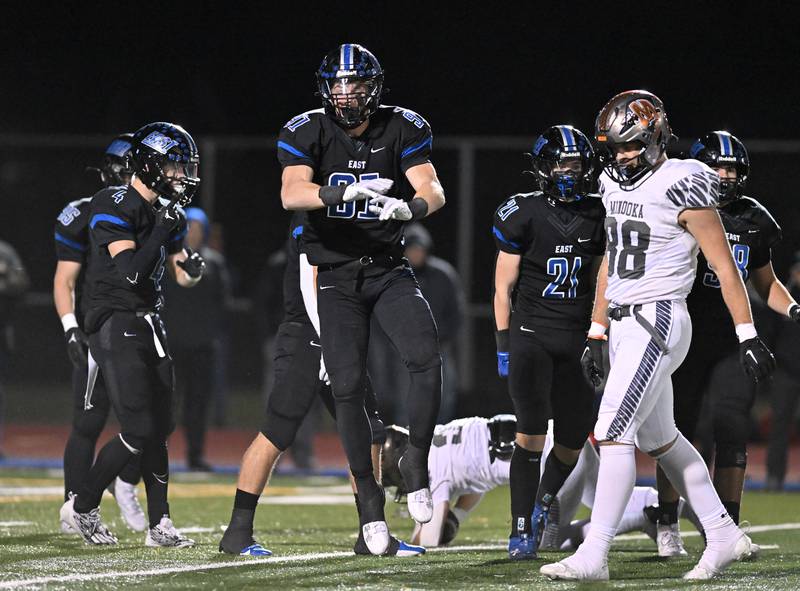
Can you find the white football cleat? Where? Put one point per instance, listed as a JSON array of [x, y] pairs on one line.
[[670, 543], [165, 535], [719, 555], [420, 505], [376, 536], [569, 569], [129, 507], [66, 527], [87, 525]]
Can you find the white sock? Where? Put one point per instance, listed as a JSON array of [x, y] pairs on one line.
[[615, 481], [687, 472]]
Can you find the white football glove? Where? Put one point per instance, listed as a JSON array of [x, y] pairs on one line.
[[389, 208], [366, 189], [323, 372]]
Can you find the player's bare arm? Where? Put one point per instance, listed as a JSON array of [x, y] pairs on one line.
[[771, 290], [704, 224], [600, 310], [297, 189], [506, 274], [426, 186], [64, 286]]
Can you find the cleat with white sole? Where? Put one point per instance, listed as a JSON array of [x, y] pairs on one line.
[[255, 549], [376, 537], [165, 535], [420, 505], [129, 507], [565, 570], [415, 476], [397, 548], [87, 525], [66, 527], [669, 541], [719, 555]]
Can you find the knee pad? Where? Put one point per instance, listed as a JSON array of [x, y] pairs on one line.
[[138, 430], [731, 425], [89, 424], [281, 431], [135, 443], [731, 456], [649, 442], [348, 384], [424, 358]]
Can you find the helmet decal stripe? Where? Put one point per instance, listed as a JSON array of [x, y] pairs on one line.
[[566, 135], [725, 144], [347, 57]]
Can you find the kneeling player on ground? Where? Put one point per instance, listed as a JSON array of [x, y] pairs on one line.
[[136, 232], [549, 246], [299, 379], [89, 412]]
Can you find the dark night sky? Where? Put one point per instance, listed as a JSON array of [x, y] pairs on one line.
[[236, 67]]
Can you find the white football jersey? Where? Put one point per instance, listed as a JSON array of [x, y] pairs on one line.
[[650, 256], [458, 462]]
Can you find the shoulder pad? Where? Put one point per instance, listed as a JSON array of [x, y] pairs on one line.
[[303, 118]]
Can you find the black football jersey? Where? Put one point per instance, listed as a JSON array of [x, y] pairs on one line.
[[557, 242], [294, 309], [121, 213], [72, 244], [395, 140], [752, 233]]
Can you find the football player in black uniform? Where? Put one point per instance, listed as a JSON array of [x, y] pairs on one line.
[[338, 164], [752, 233], [136, 233], [550, 243], [299, 378], [89, 413]]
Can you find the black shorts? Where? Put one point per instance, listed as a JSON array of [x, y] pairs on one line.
[[137, 370], [297, 384], [545, 381]]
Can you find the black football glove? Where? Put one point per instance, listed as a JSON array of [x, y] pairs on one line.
[[194, 265], [167, 216], [593, 362], [77, 347], [757, 361], [794, 312]]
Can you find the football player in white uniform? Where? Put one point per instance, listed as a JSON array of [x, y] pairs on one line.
[[469, 457], [659, 211]]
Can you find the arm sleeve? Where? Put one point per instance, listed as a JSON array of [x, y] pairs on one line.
[[177, 235], [699, 188], [416, 140], [298, 142], [72, 234], [509, 227]]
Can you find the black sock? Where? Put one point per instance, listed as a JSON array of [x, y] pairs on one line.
[[244, 511], [111, 459], [524, 481], [424, 400], [155, 473], [132, 472], [732, 508], [358, 504], [667, 512], [555, 474]]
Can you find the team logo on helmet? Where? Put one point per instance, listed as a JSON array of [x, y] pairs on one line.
[[159, 142]]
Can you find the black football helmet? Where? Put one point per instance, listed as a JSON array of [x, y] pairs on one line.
[[393, 449], [502, 433], [350, 82], [159, 147], [720, 149], [116, 169], [564, 163]]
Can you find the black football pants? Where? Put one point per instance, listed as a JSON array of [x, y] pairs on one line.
[[348, 296]]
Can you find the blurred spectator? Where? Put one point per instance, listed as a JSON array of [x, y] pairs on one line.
[[270, 312], [784, 389], [196, 321], [14, 283], [441, 286], [219, 394]]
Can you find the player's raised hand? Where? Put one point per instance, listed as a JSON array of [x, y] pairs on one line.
[[756, 359], [194, 264], [167, 216], [367, 189], [390, 208], [593, 362]]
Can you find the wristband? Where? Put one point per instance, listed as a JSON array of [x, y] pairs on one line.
[[418, 207], [501, 337], [69, 321], [746, 331], [332, 195], [597, 331]]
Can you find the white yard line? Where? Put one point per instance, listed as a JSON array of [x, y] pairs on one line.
[[266, 562]]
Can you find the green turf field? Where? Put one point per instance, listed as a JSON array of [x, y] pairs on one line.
[[312, 542]]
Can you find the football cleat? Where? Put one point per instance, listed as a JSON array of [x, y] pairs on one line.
[[719, 555], [376, 537], [668, 539], [87, 525], [420, 502], [570, 570], [396, 547], [66, 527], [549, 539], [165, 535], [255, 549], [539, 519], [521, 547], [130, 509]]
